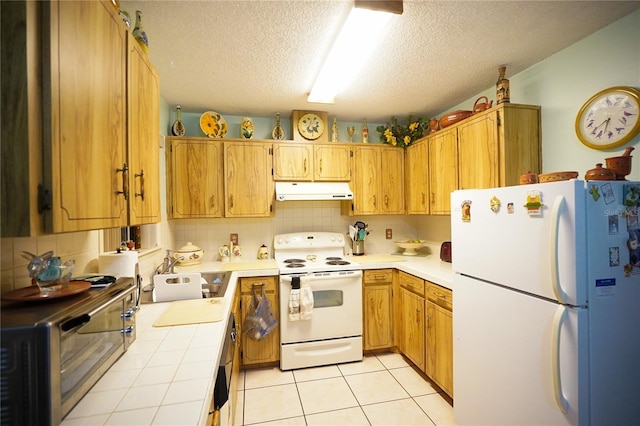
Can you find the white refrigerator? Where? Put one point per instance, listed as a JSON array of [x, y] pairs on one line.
[[546, 304]]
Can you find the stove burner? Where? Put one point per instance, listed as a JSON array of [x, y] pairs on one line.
[[293, 261], [334, 258], [337, 262], [295, 265]]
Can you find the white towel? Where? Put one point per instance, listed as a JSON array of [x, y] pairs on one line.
[[294, 305], [306, 302]]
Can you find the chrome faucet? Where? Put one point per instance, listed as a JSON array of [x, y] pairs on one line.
[[168, 264]]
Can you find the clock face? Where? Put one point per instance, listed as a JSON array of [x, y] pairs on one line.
[[311, 126], [610, 118]]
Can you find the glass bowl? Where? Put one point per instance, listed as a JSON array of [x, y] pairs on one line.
[[55, 276]]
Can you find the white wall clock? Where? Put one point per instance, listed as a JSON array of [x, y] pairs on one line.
[[609, 118]]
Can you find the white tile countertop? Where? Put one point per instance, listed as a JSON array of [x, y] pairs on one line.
[[168, 374]]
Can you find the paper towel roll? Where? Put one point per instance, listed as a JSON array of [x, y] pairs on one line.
[[121, 264]]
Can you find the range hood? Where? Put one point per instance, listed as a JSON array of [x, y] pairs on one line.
[[309, 191]]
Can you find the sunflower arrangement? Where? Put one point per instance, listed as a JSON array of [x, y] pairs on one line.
[[403, 135]]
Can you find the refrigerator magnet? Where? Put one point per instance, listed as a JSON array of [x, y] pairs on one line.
[[534, 203], [466, 210], [593, 190], [510, 208], [494, 203]]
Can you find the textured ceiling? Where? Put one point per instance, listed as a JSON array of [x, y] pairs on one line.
[[260, 57]]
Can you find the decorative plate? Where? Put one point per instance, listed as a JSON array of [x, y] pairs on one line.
[[213, 124], [33, 294]]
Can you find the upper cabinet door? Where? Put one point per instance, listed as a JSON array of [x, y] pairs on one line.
[[292, 162], [478, 152], [249, 187], [443, 170], [143, 129], [85, 115], [417, 178], [391, 180], [332, 163], [366, 163], [194, 177]]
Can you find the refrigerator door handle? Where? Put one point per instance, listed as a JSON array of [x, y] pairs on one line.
[[558, 204], [558, 319]]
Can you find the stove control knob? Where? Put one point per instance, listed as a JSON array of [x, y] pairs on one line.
[[332, 238], [340, 239], [286, 240], [279, 241]]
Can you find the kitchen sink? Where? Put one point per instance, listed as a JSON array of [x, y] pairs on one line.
[[216, 283]]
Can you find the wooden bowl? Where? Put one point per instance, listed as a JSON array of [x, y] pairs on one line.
[[454, 117], [556, 176], [620, 165]]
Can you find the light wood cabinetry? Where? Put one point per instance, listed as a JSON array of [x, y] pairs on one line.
[[378, 309], [417, 178], [267, 351], [377, 181], [439, 337], [143, 96], [412, 318], [194, 178], [443, 169], [85, 116], [234, 387], [248, 183], [20, 121], [497, 146], [311, 162], [88, 112]]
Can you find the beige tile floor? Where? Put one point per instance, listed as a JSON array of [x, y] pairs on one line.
[[380, 390]]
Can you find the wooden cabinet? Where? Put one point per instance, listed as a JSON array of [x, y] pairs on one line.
[[311, 162], [143, 97], [84, 129], [378, 309], [194, 178], [377, 181], [439, 337], [417, 177], [497, 146], [85, 107], [443, 171], [267, 351], [412, 318], [248, 183]]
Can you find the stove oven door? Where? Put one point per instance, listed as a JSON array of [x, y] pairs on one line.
[[334, 331]]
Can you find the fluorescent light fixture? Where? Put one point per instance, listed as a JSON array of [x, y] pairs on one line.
[[356, 42]]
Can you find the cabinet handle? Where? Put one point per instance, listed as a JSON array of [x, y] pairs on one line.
[[213, 201], [424, 198], [417, 316], [125, 181], [231, 201], [321, 166], [375, 201], [386, 200], [305, 165], [141, 176]]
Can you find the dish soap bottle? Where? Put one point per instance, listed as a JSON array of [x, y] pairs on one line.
[[139, 34], [178, 128]]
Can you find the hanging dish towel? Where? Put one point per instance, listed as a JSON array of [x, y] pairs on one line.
[[294, 300], [306, 302]]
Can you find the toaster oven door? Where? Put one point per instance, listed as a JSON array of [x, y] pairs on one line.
[[89, 345]]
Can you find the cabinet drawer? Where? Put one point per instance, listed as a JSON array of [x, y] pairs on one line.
[[246, 284], [377, 276], [412, 283], [440, 295]]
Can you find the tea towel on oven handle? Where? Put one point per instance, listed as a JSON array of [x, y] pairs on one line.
[[294, 299], [306, 301], [260, 320]]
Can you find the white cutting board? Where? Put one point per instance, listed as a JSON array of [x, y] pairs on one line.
[[195, 311], [170, 287]]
